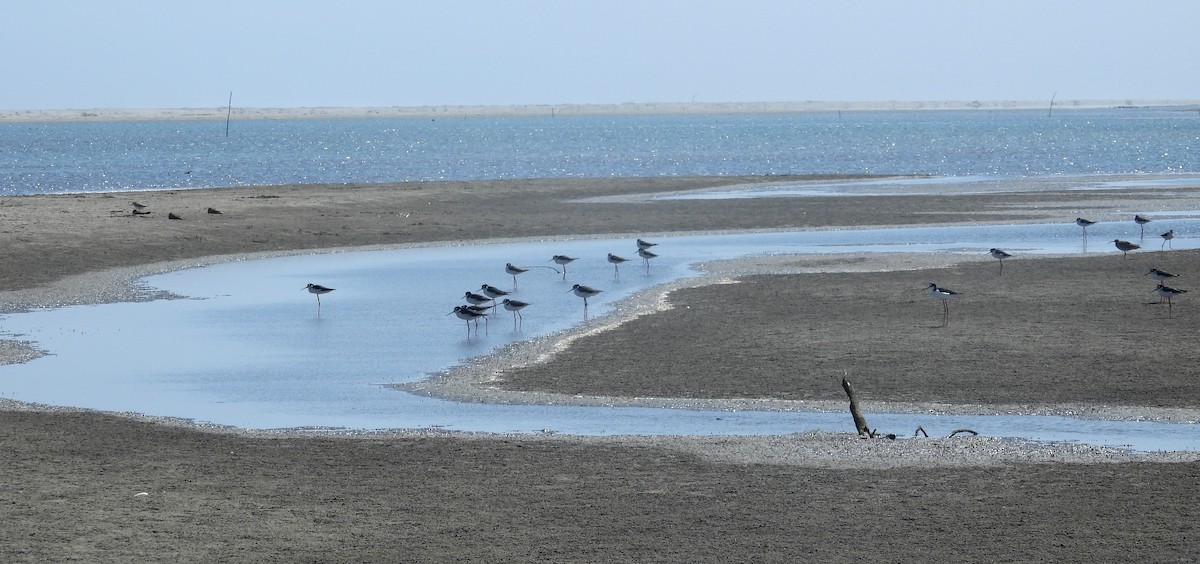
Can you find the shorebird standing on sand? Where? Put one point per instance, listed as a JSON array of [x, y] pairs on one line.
[[1160, 275], [1000, 256], [1125, 247], [1168, 293], [318, 290], [945, 295]]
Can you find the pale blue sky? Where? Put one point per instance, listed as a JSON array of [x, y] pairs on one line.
[[61, 54]]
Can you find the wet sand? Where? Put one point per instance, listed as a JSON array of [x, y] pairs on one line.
[[1050, 335]]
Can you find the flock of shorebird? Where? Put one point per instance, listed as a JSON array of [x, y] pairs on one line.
[[483, 302], [1163, 291], [489, 297]]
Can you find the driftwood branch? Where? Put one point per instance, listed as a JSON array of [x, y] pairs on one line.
[[860, 422]]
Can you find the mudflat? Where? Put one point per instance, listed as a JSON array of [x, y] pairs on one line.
[[1055, 334]]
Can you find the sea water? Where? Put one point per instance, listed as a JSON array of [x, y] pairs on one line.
[[38, 158], [248, 348]]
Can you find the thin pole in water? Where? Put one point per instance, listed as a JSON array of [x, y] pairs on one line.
[[228, 112], [1050, 112]]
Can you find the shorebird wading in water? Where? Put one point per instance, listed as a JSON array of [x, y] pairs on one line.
[[514, 270], [515, 306], [492, 292], [584, 292], [318, 290], [1000, 256], [1125, 247], [616, 262], [644, 244], [468, 315], [563, 260], [646, 256], [1141, 221], [945, 295], [1167, 237], [1084, 223]]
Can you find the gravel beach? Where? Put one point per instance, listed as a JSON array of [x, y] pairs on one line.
[[1077, 334]]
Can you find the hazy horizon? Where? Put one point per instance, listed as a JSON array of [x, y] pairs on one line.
[[140, 54]]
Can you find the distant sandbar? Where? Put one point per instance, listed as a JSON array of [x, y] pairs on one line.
[[244, 113]]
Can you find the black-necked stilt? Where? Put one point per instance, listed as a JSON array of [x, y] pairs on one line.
[[493, 292], [1141, 221], [1125, 247], [1000, 256], [1168, 292], [1167, 237], [644, 244], [476, 299], [563, 260], [514, 270], [1084, 223], [318, 290], [945, 295], [584, 292], [646, 256], [515, 306], [616, 262], [468, 315], [1160, 274]]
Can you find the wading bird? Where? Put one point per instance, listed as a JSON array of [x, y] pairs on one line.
[[1000, 256], [616, 262], [563, 260], [515, 306], [1160, 275], [1125, 247], [1167, 237], [584, 292], [1168, 293], [646, 256], [1141, 221], [514, 270], [468, 315], [945, 295], [318, 290]]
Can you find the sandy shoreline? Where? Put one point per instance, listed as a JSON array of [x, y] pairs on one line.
[[315, 496]]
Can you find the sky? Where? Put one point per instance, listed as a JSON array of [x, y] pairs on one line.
[[80, 54]]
